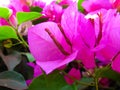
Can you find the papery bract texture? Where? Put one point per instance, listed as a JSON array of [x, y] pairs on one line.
[[116, 64], [72, 38], [70, 21], [81, 33], [92, 5], [110, 36], [45, 51], [53, 11], [85, 41], [116, 4]]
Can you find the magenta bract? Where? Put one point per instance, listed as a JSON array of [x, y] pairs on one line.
[[53, 47]]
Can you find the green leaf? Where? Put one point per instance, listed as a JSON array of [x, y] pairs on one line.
[[5, 12], [13, 80], [36, 9], [69, 87], [7, 32], [27, 16], [29, 57], [53, 81], [80, 8], [86, 80], [107, 72], [11, 60]]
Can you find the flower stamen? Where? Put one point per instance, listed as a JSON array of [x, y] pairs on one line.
[[60, 47], [66, 38], [100, 31]]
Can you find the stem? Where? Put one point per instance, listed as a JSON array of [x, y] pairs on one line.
[[96, 83], [85, 69], [78, 82], [83, 83], [17, 43], [21, 38], [10, 24]]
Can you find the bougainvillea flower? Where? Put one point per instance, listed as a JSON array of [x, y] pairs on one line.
[[104, 48], [42, 3], [46, 44], [39, 3], [86, 37], [49, 47], [73, 75], [53, 11], [77, 34], [92, 5], [18, 5], [104, 82], [116, 4], [37, 70], [15, 6], [66, 2], [3, 22], [76, 26], [55, 45], [113, 45], [12, 20], [109, 35], [116, 63]]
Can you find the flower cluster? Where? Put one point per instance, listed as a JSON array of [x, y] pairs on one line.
[[76, 38]]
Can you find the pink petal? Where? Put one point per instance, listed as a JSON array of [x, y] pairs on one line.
[[37, 71], [92, 5], [116, 3], [106, 53], [28, 82], [87, 32], [116, 64], [46, 53], [49, 66], [84, 41], [74, 73], [69, 20]]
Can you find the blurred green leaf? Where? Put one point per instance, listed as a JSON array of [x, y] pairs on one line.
[[7, 32], [36, 9], [27, 16], [29, 57], [80, 8], [40, 20], [11, 60], [53, 81], [13, 80], [107, 72], [69, 87], [87, 80], [5, 12]]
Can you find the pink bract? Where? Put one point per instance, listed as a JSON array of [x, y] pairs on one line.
[[73, 74], [92, 5], [116, 64], [53, 11], [46, 53], [37, 70], [43, 37]]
